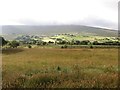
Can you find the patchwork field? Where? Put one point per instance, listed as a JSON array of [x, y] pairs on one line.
[[60, 68]]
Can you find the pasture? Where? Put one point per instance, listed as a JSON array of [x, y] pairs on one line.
[[60, 68]]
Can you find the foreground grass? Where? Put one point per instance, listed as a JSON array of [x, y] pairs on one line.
[[60, 68]]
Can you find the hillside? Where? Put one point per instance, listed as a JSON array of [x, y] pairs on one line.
[[10, 32]]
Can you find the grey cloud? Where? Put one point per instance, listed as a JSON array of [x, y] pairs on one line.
[[104, 23], [33, 22], [28, 22], [95, 21], [90, 21]]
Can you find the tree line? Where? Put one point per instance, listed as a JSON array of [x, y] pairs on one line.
[[15, 44]]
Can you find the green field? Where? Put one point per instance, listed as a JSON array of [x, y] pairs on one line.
[[60, 68]]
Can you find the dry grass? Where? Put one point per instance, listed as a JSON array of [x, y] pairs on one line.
[[60, 68]]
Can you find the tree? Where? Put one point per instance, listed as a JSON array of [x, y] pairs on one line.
[[62, 47], [72, 42], [44, 43], [91, 46], [65, 46], [2, 41], [77, 42], [14, 44], [29, 46], [50, 42], [95, 43], [85, 42]]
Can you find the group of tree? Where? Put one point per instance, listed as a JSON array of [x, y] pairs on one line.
[[64, 43], [72, 42], [12, 44], [87, 42], [65, 46], [106, 43]]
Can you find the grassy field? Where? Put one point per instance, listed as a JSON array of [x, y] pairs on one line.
[[60, 68], [84, 37]]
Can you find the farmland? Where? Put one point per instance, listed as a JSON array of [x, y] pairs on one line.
[[60, 68]]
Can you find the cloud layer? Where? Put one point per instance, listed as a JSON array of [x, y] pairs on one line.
[[101, 13]]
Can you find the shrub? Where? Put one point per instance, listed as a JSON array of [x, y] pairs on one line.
[[62, 47], [91, 46], [2, 41], [14, 44], [85, 42], [65, 46], [29, 46], [95, 43], [44, 43]]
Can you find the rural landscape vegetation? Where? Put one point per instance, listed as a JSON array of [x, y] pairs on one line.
[[72, 58]]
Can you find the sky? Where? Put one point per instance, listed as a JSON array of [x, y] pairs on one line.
[[97, 13]]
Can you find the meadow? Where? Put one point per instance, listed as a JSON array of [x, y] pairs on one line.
[[60, 68]]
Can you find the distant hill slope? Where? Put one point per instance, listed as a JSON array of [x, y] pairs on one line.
[[55, 29]]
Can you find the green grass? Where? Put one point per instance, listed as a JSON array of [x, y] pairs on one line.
[[85, 37], [60, 68]]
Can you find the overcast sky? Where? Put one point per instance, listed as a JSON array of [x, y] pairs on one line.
[[101, 13]]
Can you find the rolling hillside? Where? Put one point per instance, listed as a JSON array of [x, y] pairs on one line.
[[10, 32]]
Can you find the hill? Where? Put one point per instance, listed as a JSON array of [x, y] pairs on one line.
[[10, 32]]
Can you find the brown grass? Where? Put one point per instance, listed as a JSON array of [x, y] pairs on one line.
[[61, 68]]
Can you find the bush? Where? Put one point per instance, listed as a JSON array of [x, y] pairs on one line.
[[2, 41], [85, 42], [95, 43], [91, 46], [44, 43], [14, 44], [62, 47], [29, 46], [65, 46]]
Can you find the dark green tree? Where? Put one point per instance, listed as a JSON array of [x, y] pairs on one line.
[[29, 46], [95, 43], [44, 43], [91, 46], [85, 42], [2, 41], [14, 44]]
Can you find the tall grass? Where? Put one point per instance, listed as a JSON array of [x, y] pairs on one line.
[[61, 68]]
